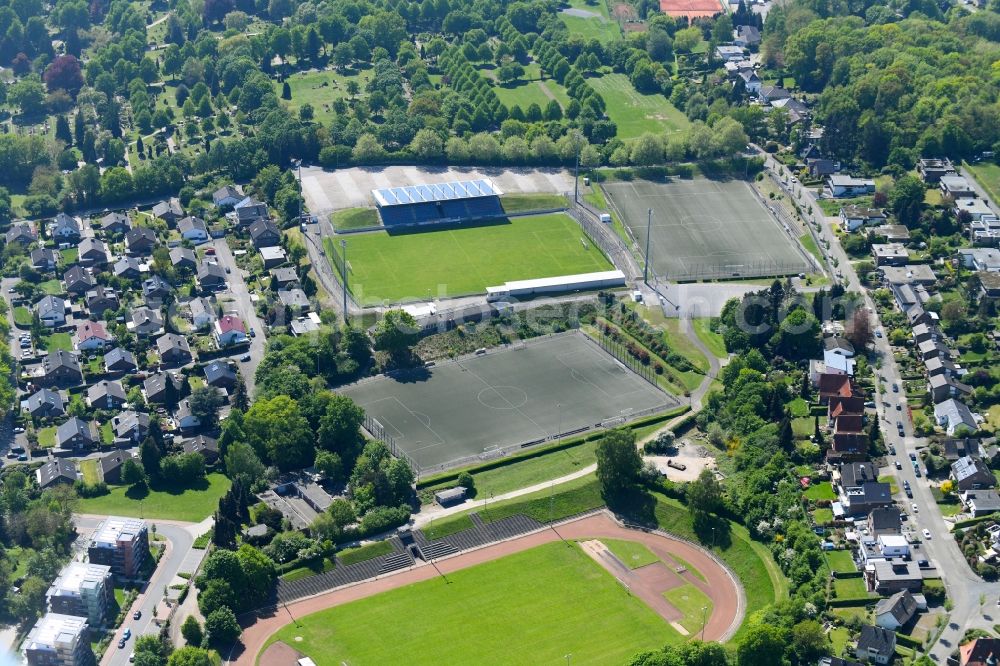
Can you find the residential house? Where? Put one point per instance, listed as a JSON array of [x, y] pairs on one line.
[[65, 230], [51, 311], [943, 387], [220, 374], [183, 257], [100, 299], [932, 169], [917, 315], [820, 167], [989, 285], [953, 414], [211, 276], [974, 210], [746, 35], [120, 361], [875, 645], [91, 335], [78, 280], [981, 502], [161, 388], [890, 254], [140, 240], [980, 652], [43, 404], [853, 218], [970, 473], [169, 210], [984, 231], [115, 223], [884, 521], [842, 185], [128, 268], [770, 95], [60, 368], [206, 446], [107, 395], [893, 575], [285, 277], [59, 470], [265, 233], [173, 349], [59, 640], [110, 466], [131, 427], [924, 332], [986, 259], [859, 490], [272, 256], [895, 611], [43, 259], [956, 187], [185, 418], [21, 233], [295, 299], [202, 312], [954, 448], [929, 349], [834, 385], [75, 434], [308, 323], [83, 590], [729, 52], [836, 661], [892, 233], [122, 544], [227, 196], [838, 345], [92, 252], [850, 441], [156, 287], [248, 211], [229, 330], [751, 82], [146, 322], [840, 405], [193, 229]]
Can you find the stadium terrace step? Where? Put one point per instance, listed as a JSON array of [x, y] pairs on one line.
[[395, 562], [437, 549]]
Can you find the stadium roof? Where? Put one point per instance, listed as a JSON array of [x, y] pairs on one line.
[[411, 194]]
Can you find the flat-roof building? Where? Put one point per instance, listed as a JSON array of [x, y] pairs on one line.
[[83, 590], [59, 640], [122, 544]]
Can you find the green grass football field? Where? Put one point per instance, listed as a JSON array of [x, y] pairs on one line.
[[636, 113], [465, 260], [533, 607]]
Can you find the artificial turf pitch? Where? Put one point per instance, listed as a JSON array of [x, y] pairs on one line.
[[433, 262], [548, 387], [706, 229], [532, 607]]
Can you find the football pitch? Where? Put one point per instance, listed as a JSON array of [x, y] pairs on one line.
[[517, 395], [459, 260], [533, 607], [706, 229]]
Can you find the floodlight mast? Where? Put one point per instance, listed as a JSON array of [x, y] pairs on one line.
[[645, 268]]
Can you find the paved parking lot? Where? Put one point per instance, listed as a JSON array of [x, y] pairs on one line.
[[327, 191]]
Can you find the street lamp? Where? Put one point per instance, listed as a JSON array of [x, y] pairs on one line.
[[704, 621], [343, 258]]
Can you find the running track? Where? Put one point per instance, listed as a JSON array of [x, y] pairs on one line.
[[722, 588]]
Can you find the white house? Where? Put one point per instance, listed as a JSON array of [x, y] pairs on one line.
[[229, 330], [952, 414], [842, 185], [193, 229]]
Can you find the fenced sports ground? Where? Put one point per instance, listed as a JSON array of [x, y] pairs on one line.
[[705, 229], [485, 406]]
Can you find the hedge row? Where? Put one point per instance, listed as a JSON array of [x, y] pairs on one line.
[[962, 524], [902, 639], [452, 475], [851, 602]]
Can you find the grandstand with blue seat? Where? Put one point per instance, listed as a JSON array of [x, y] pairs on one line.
[[439, 203]]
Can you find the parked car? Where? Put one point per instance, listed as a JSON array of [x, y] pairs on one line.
[[913, 456], [22, 458], [899, 465], [878, 332], [895, 388], [913, 505], [245, 358]]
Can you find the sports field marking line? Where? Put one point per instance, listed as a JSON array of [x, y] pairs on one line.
[[579, 376], [516, 409]]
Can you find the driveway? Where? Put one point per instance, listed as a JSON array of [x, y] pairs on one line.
[[244, 307]]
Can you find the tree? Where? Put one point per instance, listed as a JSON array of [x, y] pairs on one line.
[[704, 494], [205, 402], [241, 460], [191, 656], [907, 199], [259, 573], [64, 74], [618, 463], [647, 150], [329, 464], [427, 145], [859, 331], [29, 95], [395, 333], [278, 432], [760, 645], [240, 397], [808, 642], [132, 473], [191, 631], [367, 150], [222, 627], [150, 456]]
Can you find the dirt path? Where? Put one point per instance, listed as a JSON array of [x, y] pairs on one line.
[[722, 587], [548, 93]]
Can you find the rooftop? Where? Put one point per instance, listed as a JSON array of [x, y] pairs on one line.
[[411, 194]]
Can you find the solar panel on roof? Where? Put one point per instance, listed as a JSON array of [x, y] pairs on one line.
[[434, 192]]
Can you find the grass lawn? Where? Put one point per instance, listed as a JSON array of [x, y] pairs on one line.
[[319, 89], [22, 316], [553, 598], [820, 491], [839, 638], [850, 588], [523, 93], [631, 553], [354, 218], [891, 480], [809, 243], [831, 207], [192, 505], [840, 561], [58, 341], [47, 437], [525, 203], [599, 27], [69, 256], [987, 174], [799, 407], [51, 287], [89, 470], [635, 113], [366, 552], [852, 613], [691, 601], [803, 427], [703, 329], [298, 573], [466, 260], [822, 516]]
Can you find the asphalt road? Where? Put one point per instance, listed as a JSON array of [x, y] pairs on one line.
[[181, 542], [964, 588]]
